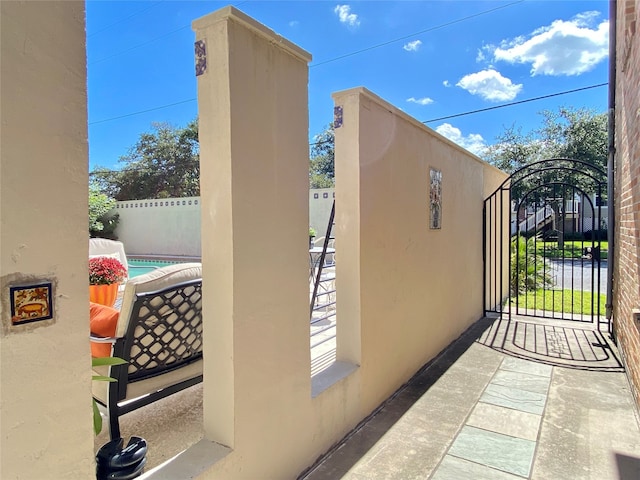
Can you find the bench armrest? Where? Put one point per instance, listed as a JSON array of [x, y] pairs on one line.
[[97, 339]]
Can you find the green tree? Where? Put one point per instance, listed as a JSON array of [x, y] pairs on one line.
[[578, 134], [102, 223], [321, 168], [104, 181], [163, 163], [513, 149]]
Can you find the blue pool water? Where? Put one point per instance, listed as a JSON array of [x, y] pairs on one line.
[[140, 267]]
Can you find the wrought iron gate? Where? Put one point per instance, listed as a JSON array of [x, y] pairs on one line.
[[544, 243]]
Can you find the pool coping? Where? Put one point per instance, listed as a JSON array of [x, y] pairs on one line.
[[164, 258]]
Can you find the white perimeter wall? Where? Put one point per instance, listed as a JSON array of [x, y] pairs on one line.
[[320, 203], [171, 226], [168, 226]]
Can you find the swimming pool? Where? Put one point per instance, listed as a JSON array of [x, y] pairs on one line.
[[140, 267]]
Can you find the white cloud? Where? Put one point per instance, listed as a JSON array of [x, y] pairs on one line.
[[294, 23], [490, 85], [420, 101], [446, 83], [472, 142], [412, 46], [345, 15], [562, 48], [485, 53]]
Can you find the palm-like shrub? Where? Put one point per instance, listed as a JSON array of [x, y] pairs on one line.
[[528, 273]]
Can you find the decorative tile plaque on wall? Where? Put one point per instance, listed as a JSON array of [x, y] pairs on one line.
[[31, 303], [337, 116], [201, 57], [435, 199]]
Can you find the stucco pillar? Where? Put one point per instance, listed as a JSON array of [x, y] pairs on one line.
[[253, 114], [45, 365], [348, 226]]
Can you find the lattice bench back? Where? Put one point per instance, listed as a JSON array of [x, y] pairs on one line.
[[164, 331]]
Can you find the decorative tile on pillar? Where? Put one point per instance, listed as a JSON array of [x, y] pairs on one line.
[[201, 57], [337, 116], [31, 303]]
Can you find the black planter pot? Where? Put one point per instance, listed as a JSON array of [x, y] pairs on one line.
[[115, 463]]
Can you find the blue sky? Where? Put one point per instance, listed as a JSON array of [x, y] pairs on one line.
[[432, 59]]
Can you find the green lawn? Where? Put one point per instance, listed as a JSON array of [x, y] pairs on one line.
[[560, 300], [572, 249]]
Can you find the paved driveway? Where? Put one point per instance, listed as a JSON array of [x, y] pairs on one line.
[[577, 274]]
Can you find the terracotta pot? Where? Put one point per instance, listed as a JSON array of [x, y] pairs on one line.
[[104, 294]]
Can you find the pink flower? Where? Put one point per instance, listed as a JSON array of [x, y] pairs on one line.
[[105, 271]]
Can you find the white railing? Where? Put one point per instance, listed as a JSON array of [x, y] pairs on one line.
[[535, 219], [571, 206]]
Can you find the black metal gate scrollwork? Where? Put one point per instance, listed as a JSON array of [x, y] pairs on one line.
[[544, 240]]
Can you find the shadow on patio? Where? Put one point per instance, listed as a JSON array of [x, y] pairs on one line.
[[477, 412]]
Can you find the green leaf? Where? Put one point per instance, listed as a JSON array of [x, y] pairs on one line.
[[97, 418], [101, 361], [97, 362]]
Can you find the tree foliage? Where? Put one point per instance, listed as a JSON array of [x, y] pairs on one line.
[[513, 150], [577, 134], [101, 222], [321, 168], [580, 134], [163, 163]]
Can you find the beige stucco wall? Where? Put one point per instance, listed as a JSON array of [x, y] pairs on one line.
[[45, 395], [405, 290]]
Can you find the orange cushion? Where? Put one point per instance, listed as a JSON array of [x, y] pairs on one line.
[[102, 321]]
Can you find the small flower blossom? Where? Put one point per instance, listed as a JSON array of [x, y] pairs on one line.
[[105, 271]]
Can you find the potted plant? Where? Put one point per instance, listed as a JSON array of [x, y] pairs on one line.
[[312, 235], [113, 459], [105, 276], [98, 362]]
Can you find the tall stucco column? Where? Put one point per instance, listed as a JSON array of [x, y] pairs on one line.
[[45, 367], [254, 155]]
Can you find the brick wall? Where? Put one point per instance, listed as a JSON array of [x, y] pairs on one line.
[[627, 191]]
